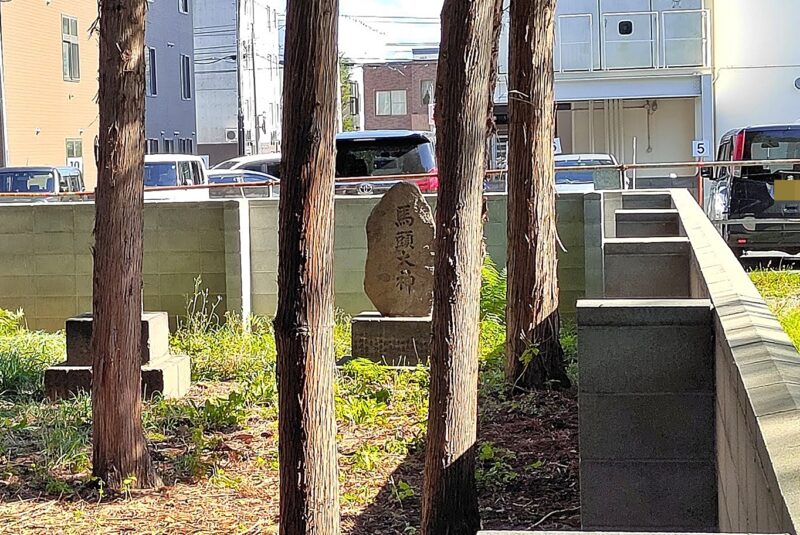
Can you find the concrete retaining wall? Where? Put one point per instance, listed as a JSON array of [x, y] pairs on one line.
[[46, 261], [755, 370]]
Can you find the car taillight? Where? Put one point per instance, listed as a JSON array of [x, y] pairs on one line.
[[738, 152], [429, 184]]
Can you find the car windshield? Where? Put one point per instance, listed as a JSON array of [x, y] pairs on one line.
[[777, 144], [160, 174], [569, 172], [383, 157], [27, 182], [225, 165]]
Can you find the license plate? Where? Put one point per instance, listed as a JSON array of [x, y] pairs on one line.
[[786, 190]]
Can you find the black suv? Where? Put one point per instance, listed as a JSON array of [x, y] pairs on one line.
[[741, 199]]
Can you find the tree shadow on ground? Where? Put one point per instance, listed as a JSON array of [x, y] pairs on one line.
[[527, 471]]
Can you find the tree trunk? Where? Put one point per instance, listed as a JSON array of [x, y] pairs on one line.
[[450, 504], [309, 486], [534, 357], [120, 456]]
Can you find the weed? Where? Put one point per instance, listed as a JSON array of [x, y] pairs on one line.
[[24, 355], [400, 490], [366, 458], [493, 470], [360, 411], [493, 292]]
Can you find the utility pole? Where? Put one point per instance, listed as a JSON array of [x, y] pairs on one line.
[[240, 125], [253, 65], [339, 119]]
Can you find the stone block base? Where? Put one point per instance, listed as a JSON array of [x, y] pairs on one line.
[[169, 377], [392, 341], [155, 338]]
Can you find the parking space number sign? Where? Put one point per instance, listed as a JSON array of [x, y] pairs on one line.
[[700, 148]]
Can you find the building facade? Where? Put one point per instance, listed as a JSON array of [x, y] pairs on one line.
[[49, 84], [170, 123], [645, 79], [237, 70], [400, 94]]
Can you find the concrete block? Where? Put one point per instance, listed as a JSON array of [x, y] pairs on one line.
[[169, 377], [652, 426], [648, 495], [155, 338], [212, 241], [18, 219], [391, 341], [644, 200], [21, 244], [53, 219], [647, 346], [647, 223], [657, 267], [54, 242]]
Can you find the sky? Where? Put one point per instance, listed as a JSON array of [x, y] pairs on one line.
[[376, 30]]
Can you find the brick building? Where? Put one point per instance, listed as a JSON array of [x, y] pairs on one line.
[[398, 94]]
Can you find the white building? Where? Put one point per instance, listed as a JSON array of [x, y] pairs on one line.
[[237, 61], [666, 73]]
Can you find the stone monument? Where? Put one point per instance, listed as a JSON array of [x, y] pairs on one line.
[[398, 280], [162, 373]]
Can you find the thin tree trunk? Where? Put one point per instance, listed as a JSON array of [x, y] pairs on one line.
[[534, 357], [120, 456], [309, 486], [450, 504]]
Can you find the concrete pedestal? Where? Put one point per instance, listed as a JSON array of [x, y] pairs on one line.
[[163, 374], [392, 341]]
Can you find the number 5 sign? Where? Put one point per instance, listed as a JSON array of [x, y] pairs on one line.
[[700, 149]]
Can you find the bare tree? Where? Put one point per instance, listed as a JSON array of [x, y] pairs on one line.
[[120, 455], [450, 503], [309, 490], [534, 357]]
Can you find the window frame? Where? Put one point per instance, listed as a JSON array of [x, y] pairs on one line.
[[70, 49], [151, 143], [393, 111], [150, 71], [181, 4], [186, 77], [422, 85]]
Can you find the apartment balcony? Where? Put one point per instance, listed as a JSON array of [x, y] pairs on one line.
[[618, 45]]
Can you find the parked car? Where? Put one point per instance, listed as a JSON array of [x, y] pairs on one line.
[[165, 170], [237, 176], [741, 198], [384, 153], [571, 178], [55, 180], [238, 179], [269, 164]]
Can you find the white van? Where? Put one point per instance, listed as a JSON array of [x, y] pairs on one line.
[[269, 164], [173, 170]]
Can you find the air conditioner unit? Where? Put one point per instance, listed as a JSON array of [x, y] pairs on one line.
[[273, 138], [231, 135]]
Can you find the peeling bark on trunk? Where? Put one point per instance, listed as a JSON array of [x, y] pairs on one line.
[[309, 486], [534, 357], [120, 455], [450, 504]]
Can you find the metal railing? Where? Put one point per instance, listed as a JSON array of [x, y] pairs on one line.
[[498, 175]]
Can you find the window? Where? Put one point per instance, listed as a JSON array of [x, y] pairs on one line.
[[183, 6], [151, 146], [186, 78], [391, 102], [427, 92], [169, 146], [150, 79], [185, 174], [275, 18], [74, 148], [271, 65], [269, 19], [186, 145], [70, 49]]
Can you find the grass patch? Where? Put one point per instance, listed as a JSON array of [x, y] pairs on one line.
[[25, 354], [781, 290]]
